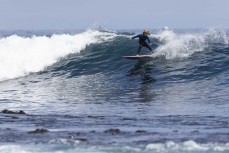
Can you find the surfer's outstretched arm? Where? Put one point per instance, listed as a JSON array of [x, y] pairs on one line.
[[148, 40], [137, 36]]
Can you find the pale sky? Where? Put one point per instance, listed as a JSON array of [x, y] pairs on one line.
[[114, 14]]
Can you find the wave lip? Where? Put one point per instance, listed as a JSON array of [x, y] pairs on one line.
[[183, 45], [20, 56]]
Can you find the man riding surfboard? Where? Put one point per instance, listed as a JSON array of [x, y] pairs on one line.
[[142, 40]]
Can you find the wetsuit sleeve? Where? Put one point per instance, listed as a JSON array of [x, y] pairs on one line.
[[148, 40], [135, 36]]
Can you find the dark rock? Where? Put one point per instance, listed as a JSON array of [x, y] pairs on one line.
[[193, 132], [14, 117], [5, 111], [82, 139], [21, 112], [140, 131], [38, 131], [175, 131], [113, 131], [126, 118], [78, 133]]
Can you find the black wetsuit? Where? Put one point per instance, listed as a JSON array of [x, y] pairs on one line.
[[142, 42]]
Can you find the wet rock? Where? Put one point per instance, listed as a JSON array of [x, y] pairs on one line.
[[21, 112], [38, 131], [82, 139], [131, 119], [5, 111], [14, 117], [175, 131], [193, 132], [140, 131], [113, 131]]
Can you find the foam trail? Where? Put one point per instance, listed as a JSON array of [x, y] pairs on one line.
[[20, 56], [183, 45]]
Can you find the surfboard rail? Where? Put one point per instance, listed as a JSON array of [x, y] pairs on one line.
[[138, 57]]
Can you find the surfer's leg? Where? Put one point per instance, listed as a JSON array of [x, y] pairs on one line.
[[147, 46], [139, 49]]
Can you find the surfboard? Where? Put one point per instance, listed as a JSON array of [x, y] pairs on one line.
[[138, 57]]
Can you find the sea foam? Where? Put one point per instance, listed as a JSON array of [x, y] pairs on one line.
[[175, 45], [167, 147]]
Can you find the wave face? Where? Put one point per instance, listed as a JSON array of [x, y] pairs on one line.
[[77, 86], [20, 55]]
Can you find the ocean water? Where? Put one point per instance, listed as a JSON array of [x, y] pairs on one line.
[[76, 85]]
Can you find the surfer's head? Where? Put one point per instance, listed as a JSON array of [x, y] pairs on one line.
[[146, 32]]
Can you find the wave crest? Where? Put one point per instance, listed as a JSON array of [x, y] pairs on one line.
[[183, 45], [20, 56]]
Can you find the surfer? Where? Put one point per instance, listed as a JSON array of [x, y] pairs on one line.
[[142, 40]]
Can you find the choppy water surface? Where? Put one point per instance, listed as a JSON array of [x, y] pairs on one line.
[[77, 87]]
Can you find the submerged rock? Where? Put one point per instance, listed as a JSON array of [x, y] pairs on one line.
[[82, 139], [141, 131], [38, 131], [113, 131], [5, 111]]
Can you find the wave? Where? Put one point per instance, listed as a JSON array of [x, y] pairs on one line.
[[20, 56], [70, 146], [190, 146], [184, 45]]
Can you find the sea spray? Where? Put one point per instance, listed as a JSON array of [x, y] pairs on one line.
[[174, 45]]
